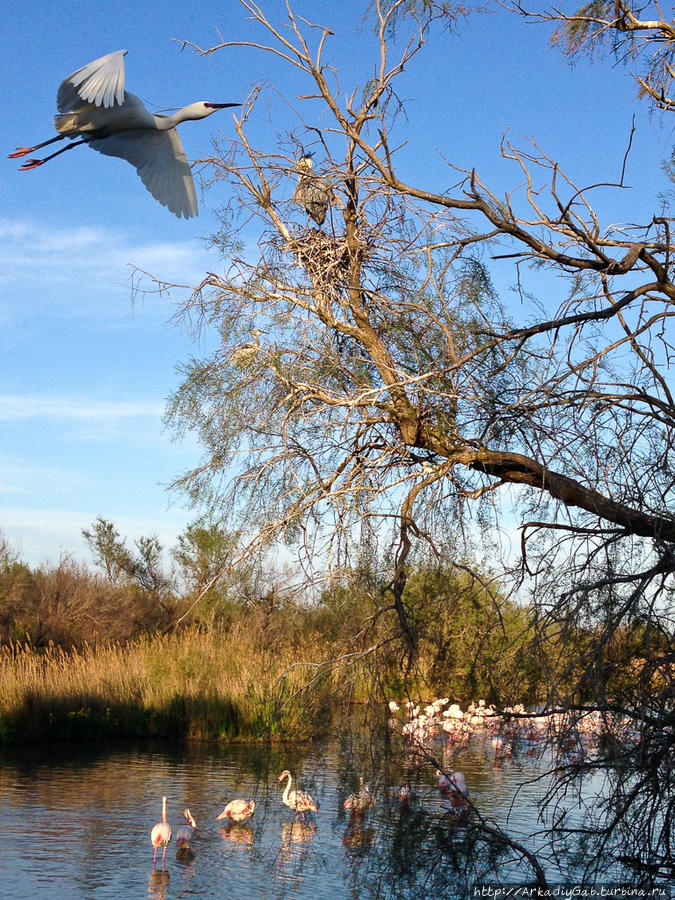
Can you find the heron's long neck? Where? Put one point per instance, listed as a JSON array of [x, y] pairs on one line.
[[166, 123], [185, 114]]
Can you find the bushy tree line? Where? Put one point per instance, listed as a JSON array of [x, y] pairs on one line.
[[474, 640], [131, 591]]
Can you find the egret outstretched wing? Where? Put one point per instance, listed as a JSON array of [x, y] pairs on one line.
[[160, 160], [94, 107], [100, 82]]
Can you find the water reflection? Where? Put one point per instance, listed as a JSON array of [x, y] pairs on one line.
[[158, 883], [412, 841], [238, 834], [358, 836], [297, 832]]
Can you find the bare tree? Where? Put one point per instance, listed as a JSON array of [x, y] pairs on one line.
[[636, 33], [391, 389]]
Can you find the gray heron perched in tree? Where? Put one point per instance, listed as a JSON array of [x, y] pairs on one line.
[[312, 192], [245, 354]]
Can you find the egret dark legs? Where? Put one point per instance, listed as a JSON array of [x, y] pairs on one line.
[[34, 163], [22, 151]]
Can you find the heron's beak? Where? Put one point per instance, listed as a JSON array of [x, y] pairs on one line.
[[221, 105]]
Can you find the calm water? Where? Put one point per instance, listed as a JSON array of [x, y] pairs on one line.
[[76, 824]]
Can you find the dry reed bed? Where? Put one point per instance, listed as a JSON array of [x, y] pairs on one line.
[[187, 685]]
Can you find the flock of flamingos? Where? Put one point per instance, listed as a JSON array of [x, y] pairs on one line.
[[420, 726], [235, 811]]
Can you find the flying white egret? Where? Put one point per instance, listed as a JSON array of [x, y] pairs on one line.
[[94, 106]]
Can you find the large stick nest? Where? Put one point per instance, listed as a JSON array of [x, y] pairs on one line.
[[327, 259]]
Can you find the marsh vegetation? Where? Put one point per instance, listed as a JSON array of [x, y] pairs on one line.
[[373, 406]]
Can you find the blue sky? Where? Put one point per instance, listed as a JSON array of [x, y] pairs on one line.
[[86, 367]]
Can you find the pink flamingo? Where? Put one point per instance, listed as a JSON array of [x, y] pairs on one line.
[[444, 783], [300, 801], [459, 785], [459, 796], [360, 801], [238, 810], [185, 833], [161, 834], [405, 794]]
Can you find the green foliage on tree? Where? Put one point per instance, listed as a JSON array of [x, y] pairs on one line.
[[144, 568], [109, 550], [203, 553]]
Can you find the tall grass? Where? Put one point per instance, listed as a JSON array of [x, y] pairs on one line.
[[255, 670], [187, 685]]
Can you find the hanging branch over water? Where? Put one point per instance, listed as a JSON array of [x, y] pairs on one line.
[[391, 392]]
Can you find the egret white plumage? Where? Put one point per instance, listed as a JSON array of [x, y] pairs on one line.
[[94, 106], [160, 835], [312, 192], [238, 810], [300, 801]]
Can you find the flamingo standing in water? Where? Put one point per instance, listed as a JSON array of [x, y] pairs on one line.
[[161, 835], [300, 801], [238, 810], [459, 794], [185, 833], [459, 785], [360, 801], [444, 783], [405, 794]]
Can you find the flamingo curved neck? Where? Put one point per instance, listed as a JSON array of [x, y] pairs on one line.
[[288, 787]]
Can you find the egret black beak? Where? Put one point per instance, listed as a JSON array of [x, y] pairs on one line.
[[221, 105]]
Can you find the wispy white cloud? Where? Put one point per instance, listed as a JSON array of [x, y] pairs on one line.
[[18, 478], [82, 263], [93, 443], [42, 535], [14, 407]]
